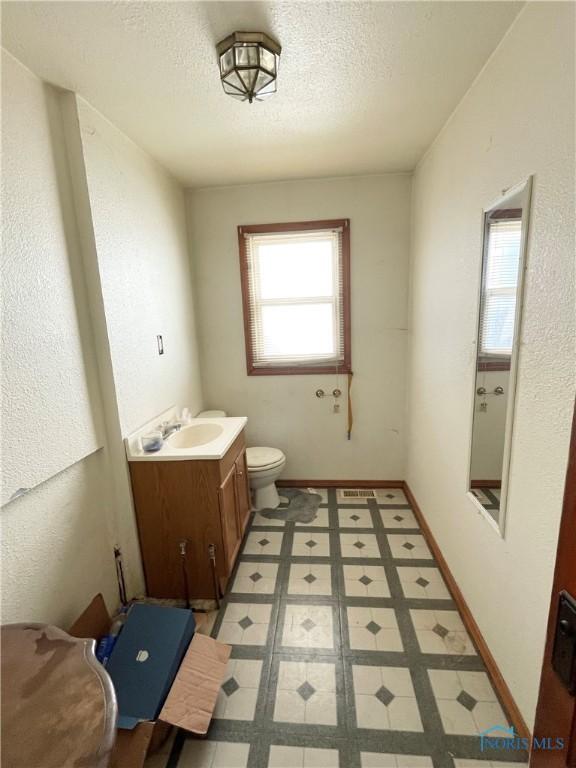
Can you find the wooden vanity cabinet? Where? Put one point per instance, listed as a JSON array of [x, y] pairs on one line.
[[191, 505]]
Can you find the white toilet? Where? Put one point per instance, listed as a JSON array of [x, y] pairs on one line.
[[264, 468]]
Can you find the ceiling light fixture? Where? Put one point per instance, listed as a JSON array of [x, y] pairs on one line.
[[248, 65]]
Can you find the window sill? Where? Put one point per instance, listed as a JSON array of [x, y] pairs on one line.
[[493, 365], [300, 370]]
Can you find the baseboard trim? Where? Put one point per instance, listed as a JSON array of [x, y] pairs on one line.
[[340, 483], [500, 686], [485, 483]]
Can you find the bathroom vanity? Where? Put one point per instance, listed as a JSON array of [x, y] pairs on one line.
[[192, 499]]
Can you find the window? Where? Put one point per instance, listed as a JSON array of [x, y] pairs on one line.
[[498, 310], [296, 297]]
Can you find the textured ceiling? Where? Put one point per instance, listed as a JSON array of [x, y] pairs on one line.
[[364, 87]]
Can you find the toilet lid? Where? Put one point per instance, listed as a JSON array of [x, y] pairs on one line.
[[263, 457]]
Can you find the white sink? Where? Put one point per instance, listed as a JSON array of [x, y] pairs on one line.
[[197, 434], [204, 438]]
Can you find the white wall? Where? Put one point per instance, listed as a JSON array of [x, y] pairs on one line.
[[46, 373], [99, 260], [56, 551], [133, 225], [489, 426], [282, 410], [517, 119], [139, 223]]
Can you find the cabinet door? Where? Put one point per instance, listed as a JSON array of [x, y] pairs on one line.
[[229, 518], [242, 492]]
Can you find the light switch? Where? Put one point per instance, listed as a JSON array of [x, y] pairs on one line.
[[160, 345]]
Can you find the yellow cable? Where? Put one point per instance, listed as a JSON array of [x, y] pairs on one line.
[[350, 417]]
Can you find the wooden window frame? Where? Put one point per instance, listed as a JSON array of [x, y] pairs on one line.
[[296, 226]]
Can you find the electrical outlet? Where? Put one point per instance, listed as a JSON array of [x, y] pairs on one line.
[[160, 345]]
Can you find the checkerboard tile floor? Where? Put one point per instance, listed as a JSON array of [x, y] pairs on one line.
[[347, 651], [490, 500]]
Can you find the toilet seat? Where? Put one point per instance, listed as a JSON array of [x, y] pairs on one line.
[[262, 459], [267, 468]]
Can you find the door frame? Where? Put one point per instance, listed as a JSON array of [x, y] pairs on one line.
[[556, 708]]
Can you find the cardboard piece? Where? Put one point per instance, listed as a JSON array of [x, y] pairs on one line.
[[190, 702], [93, 622], [192, 698], [131, 747]]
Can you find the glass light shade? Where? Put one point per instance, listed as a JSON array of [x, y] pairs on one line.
[[246, 55], [248, 65]]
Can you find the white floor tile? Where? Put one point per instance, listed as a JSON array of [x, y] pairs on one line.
[[310, 579], [404, 714], [306, 693], [385, 698], [456, 719], [305, 757], [488, 713], [373, 629], [467, 702], [255, 578], [391, 496], [354, 518], [478, 685], [414, 761], [245, 624], [384, 760], [311, 544], [308, 626], [321, 709], [239, 691], [365, 581], [441, 632], [198, 753], [398, 518], [423, 582], [263, 543], [358, 545], [321, 758], [368, 715], [289, 707], [286, 757], [408, 546]]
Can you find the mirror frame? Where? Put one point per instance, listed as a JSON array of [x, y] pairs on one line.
[[524, 187]]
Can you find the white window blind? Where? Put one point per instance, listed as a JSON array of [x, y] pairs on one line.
[[498, 310], [295, 298]]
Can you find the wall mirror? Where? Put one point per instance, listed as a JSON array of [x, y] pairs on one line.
[[505, 232]]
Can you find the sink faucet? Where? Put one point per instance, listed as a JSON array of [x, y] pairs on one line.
[[168, 427]]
